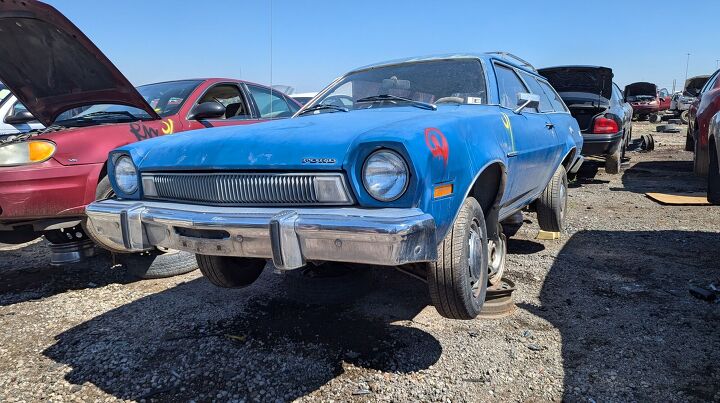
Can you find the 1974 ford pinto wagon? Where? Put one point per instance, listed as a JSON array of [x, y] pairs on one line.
[[415, 161]]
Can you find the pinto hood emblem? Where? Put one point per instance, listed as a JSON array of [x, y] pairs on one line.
[[319, 160]]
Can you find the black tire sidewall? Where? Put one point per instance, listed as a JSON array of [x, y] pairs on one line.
[[713, 187]]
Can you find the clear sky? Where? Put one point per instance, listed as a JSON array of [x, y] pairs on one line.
[[315, 41]]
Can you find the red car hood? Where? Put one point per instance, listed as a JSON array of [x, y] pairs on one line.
[[51, 66]]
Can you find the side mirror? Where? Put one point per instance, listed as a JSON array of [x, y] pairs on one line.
[[527, 100], [19, 118], [207, 110]]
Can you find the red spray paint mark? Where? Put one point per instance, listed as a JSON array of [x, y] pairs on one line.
[[437, 143]]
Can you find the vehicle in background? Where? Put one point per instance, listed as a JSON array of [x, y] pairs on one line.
[[421, 168], [700, 114], [664, 99], [48, 176], [682, 100], [304, 97], [14, 117], [644, 99], [713, 187], [605, 119]]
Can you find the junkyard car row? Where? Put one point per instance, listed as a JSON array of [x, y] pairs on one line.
[[415, 163]]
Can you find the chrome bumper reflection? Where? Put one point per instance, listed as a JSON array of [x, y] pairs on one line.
[[290, 237]]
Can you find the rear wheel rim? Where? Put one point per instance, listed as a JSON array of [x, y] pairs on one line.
[[475, 258]]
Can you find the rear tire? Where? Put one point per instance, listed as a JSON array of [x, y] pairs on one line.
[[689, 141], [713, 188], [700, 160], [552, 203], [457, 281], [155, 264], [230, 272], [655, 118]]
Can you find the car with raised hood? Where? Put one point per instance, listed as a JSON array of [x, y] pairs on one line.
[[411, 163], [48, 176], [701, 114], [14, 117], [681, 101], [646, 101], [605, 119]]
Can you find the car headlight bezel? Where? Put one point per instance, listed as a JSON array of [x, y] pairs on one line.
[[392, 192], [123, 164], [26, 152]]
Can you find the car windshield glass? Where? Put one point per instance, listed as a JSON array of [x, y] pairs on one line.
[[458, 81], [165, 98]]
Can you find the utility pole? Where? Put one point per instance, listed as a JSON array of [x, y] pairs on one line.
[[687, 64]]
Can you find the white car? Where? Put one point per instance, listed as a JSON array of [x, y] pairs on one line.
[[14, 118], [303, 97]]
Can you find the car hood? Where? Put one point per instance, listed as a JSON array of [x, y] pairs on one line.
[[54, 67], [641, 88], [308, 142], [695, 83], [588, 79]]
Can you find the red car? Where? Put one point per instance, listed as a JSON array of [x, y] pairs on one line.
[[701, 113], [646, 100], [48, 176]]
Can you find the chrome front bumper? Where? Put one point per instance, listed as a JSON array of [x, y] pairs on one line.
[[290, 237]]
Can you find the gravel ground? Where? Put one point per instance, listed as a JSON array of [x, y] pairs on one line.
[[603, 314]]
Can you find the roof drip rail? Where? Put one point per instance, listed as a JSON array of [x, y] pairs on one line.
[[508, 55]]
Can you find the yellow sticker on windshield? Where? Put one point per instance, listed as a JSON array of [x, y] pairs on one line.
[[508, 129], [168, 127]]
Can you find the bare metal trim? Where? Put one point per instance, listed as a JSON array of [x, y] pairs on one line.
[[390, 236]]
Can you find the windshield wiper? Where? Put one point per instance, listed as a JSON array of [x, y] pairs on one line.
[[388, 97], [108, 113], [323, 106]]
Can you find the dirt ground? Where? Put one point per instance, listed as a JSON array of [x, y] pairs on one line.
[[603, 314]]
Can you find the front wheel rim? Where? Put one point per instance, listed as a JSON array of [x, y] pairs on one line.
[[474, 258]]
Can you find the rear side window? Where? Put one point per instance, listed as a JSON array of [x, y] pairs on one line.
[[271, 104], [711, 82], [555, 100], [532, 82], [617, 93], [509, 85]]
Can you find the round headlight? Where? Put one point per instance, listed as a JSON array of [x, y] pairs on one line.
[[126, 175], [385, 175]]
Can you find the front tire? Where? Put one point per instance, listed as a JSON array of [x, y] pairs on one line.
[[713, 188], [457, 281], [685, 117], [230, 272], [612, 163], [552, 203]]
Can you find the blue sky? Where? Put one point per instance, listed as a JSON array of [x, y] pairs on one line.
[[315, 41]]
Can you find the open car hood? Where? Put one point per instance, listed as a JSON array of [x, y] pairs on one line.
[[695, 83], [588, 79], [51, 66], [641, 88]]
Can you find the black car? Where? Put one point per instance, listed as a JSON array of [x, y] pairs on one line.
[[598, 105]]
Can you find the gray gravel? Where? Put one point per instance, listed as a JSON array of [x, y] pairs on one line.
[[604, 314]]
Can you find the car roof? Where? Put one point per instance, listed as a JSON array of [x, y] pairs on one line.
[[512, 60]]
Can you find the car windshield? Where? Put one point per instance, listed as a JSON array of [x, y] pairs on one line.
[[4, 92], [458, 81], [165, 98]]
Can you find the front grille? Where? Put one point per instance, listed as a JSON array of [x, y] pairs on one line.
[[247, 189]]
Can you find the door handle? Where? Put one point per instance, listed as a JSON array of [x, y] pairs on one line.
[[549, 126]]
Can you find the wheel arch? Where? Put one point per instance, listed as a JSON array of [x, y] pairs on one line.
[[569, 158], [488, 187]]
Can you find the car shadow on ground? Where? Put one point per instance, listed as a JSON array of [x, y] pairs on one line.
[[662, 177], [610, 351], [26, 273], [279, 339]]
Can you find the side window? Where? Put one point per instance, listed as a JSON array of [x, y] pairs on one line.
[[711, 82], [545, 104], [509, 85], [618, 93], [270, 104], [230, 96], [555, 100]]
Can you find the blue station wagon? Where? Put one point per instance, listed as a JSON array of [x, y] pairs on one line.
[[412, 162]]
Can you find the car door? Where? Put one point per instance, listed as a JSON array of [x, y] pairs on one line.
[[234, 98], [534, 142]]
